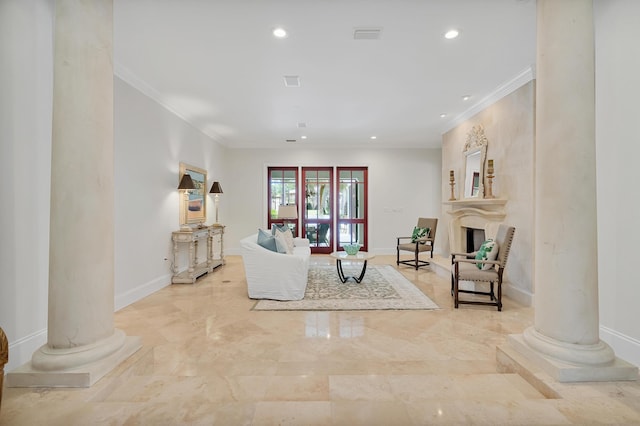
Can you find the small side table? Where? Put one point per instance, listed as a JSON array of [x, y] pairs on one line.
[[361, 256], [213, 234]]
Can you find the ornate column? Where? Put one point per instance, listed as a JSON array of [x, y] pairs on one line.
[[564, 340], [82, 344]]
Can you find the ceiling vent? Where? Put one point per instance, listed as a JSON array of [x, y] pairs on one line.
[[366, 33], [292, 81], [302, 125], [290, 140]]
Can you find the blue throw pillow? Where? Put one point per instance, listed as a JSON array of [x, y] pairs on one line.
[[275, 226], [267, 240]]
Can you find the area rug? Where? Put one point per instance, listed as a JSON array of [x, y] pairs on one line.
[[383, 287]]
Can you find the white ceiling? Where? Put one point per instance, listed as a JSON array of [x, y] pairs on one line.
[[216, 64]]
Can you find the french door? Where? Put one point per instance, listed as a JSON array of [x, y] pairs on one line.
[[329, 204], [282, 191], [351, 208], [317, 220]]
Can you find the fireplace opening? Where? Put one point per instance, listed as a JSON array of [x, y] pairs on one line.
[[474, 239]]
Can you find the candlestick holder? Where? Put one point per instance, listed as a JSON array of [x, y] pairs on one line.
[[489, 189], [452, 182]]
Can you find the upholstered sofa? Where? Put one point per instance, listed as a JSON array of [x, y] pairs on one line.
[[272, 275]]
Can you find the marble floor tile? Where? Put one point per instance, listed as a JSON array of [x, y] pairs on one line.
[[208, 358]]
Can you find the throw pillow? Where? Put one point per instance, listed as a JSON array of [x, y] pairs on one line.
[[487, 251], [287, 237], [281, 244], [275, 226], [266, 240], [418, 233]]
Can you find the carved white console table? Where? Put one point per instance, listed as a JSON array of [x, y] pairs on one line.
[[211, 235]]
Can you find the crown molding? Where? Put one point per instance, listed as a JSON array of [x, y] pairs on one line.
[[137, 83], [522, 78]]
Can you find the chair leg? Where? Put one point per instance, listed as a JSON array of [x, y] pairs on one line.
[[455, 293], [455, 287], [452, 285], [499, 296], [416, 258], [492, 295]]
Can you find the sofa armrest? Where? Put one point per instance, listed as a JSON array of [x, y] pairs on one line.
[[301, 242]]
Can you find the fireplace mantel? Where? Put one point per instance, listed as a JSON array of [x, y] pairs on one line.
[[475, 202], [478, 213]]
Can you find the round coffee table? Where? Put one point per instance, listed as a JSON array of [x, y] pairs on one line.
[[361, 256]]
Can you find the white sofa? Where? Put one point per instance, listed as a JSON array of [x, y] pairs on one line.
[[272, 275]]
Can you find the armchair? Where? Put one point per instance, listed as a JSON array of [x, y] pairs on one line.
[[464, 267], [418, 245]]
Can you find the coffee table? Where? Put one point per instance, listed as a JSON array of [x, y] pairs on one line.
[[361, 256]]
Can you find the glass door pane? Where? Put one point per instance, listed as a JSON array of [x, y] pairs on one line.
[[352, 206], [283, 190], [317, 219]]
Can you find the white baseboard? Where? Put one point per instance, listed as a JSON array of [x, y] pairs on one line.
[[625, 347], [514, 293], [21, 350], [141, 291]]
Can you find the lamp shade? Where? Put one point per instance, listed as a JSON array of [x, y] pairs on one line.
[[186, 182], [288, 211], [216, 188]]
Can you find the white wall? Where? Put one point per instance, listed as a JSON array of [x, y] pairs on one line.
[[509, 127], [26, 87], [407, 180], [150, 143], [618, 150]]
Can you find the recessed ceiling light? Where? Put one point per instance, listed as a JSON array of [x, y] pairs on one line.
[[374, 137], [466, 97], [451, 34], [443, 115], [303, 137], [280, 32], [291, 81]]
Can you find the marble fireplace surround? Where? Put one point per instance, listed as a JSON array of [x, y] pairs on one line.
[[483, 213]]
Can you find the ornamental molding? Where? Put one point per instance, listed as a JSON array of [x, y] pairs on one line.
[[476, 138]]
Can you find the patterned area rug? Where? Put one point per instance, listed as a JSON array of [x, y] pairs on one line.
[[383, 287]]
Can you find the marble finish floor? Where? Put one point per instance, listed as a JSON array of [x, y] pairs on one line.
[[207, 358]]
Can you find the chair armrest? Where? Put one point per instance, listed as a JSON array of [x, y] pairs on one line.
[[467, 255], [486, 262], [403, 238]]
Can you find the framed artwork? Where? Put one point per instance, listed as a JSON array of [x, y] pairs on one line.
[[196, 210]]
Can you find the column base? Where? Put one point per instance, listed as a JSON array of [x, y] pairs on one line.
[[81, 377], [561, 371]]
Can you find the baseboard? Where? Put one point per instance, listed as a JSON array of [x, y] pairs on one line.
[[517, 294], [625, 347], [21, 350], [142, 291]]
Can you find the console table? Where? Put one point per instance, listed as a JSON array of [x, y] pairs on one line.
[[211, 235]]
